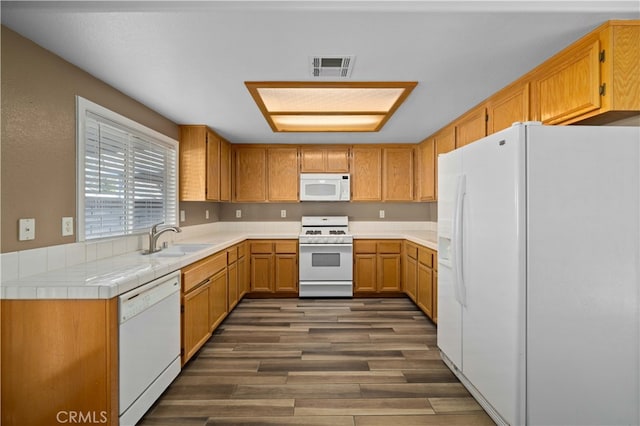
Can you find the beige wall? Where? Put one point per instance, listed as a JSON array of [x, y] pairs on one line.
[[38, 159]]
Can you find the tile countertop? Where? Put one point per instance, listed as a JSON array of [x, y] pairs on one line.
[[113, 276]]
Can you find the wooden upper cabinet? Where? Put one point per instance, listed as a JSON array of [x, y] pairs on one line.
[[324, 159], [282, 169], [508, 106], [569, 85], [471, 126], [426, 175], [366, 174], [397, 174], [596, 80], [200, 164], [250, 173]]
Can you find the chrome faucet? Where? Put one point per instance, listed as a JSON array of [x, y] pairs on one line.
[[154, 233]]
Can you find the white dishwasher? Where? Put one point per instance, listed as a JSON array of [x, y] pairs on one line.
[[149, 345]]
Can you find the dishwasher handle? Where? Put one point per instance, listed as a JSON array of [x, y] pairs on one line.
[[142, 298]]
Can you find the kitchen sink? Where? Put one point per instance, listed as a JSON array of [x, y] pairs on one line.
[[181, 250]]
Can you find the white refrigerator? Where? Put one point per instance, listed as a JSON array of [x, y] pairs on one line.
[[539, 273]]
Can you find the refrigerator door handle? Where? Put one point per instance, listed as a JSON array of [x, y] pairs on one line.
[[457, 238]]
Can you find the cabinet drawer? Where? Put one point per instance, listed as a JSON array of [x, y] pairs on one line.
[[412, 250], [389, 246], [232, 255], [261, 247], [197, 272], [425, 256], [364, 246], [287, 246]]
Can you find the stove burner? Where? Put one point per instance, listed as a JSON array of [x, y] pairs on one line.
[[313, 232], [337, 232]]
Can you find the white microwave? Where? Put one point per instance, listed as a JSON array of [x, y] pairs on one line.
[[325, 187]]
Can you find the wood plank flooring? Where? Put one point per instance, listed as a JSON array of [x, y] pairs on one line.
[[355, 362]]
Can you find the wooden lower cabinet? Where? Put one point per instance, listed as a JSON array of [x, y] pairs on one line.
[[274, 266], [196, 328], [59, 356], [421, 278], [218, 299], [377, 266]]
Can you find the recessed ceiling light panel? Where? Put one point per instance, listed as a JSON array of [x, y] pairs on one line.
[[328, 106]]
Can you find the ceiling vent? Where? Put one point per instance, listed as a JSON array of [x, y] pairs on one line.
[[331, 66]]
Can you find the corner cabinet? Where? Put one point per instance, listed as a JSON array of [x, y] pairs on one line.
[[205, 165]]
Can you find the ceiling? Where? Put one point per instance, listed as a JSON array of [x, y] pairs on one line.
[[189, 60]]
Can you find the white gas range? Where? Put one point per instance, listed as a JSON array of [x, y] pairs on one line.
[[326, 257]]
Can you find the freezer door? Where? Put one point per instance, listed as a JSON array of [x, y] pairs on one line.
[[449, 307], [493, 270]]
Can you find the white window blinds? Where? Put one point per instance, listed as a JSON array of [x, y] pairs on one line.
[[128, 177]]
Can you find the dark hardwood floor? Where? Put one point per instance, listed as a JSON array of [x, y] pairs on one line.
[[319, 362]]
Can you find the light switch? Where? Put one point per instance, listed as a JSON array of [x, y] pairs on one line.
[[67, 226], [27, 229]]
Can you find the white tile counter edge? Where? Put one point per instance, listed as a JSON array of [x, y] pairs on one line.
[[108, 268]]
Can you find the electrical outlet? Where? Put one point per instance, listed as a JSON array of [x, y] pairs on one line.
[[238, 213], [67, 226], [27, 229], [283, 213], [206, 214], [381, 214]]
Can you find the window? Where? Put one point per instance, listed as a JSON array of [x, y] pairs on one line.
[[127, 174]]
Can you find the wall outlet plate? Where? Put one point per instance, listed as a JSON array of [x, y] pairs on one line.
[[67, 226], [27, 229], [283, 213], [238, 213], [381, 214]]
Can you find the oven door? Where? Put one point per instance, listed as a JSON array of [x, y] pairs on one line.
[[326, 262]]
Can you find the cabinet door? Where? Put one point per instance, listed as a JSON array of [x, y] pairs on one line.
[[569, 86], [225, 170], [283, 174], [445, 141], [213, 166], [471, 127], [218, 299], [410, 277], [262, 272], [337, 160], [250, 174], [243, 277], [425, 289], [389, 273], [397, 174], [196, 328], [427, 170], [312, 160], [232, 283], [193, 163], [366, 176], [507, 107], [365, 273], [286, 273]]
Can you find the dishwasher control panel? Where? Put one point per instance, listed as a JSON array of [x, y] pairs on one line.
[[147, 295]]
